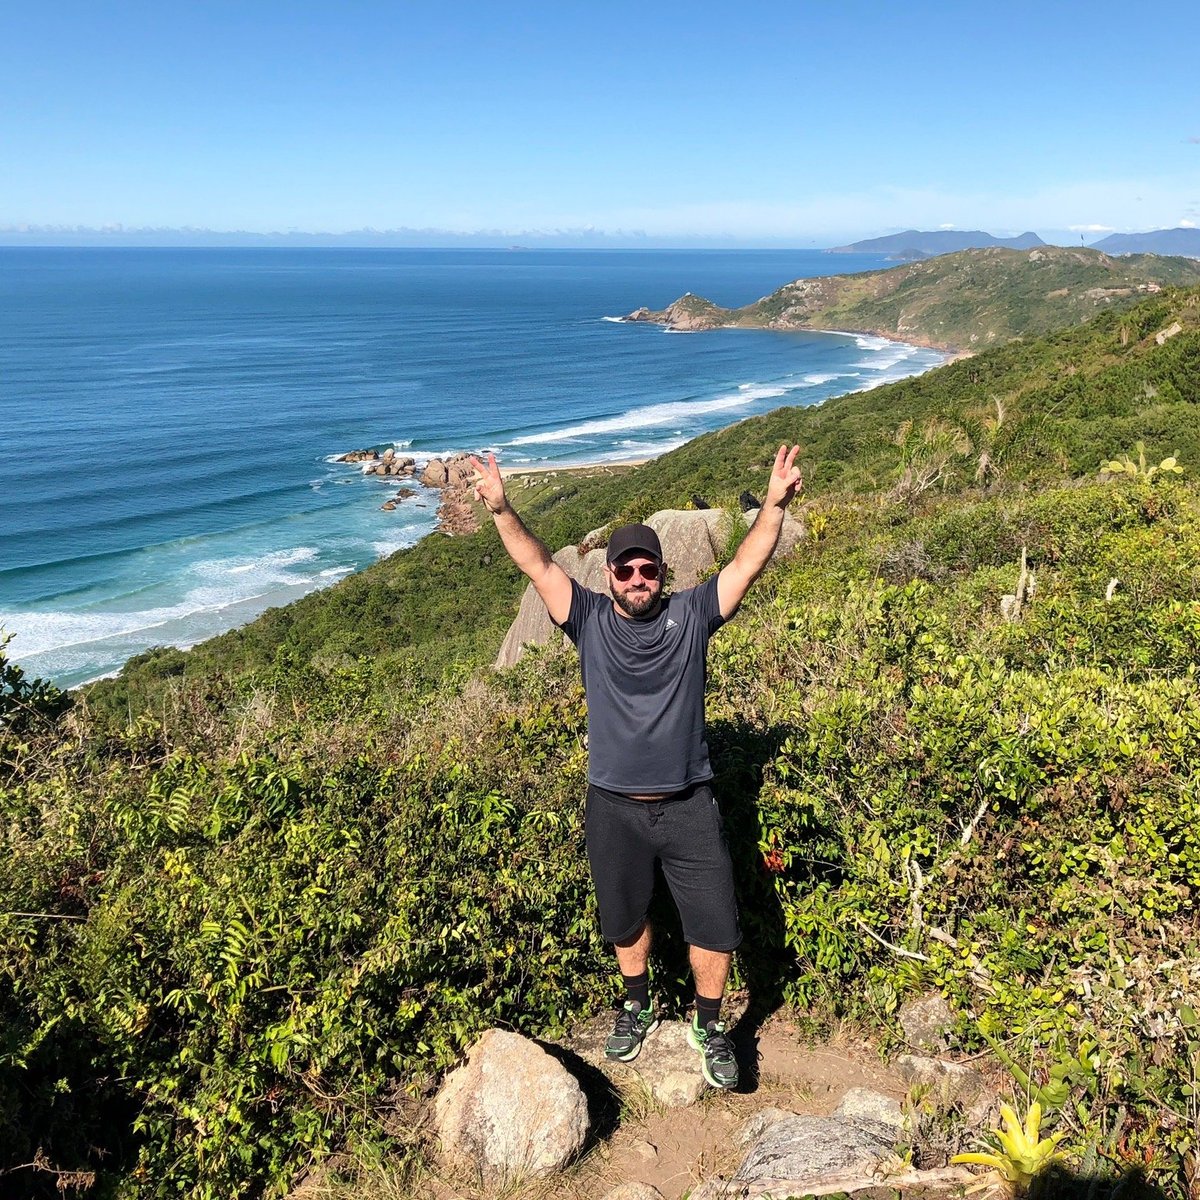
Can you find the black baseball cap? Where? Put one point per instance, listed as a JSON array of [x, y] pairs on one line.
[[633, 537]]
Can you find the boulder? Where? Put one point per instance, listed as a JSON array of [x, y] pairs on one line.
[[594, 539], [667, 1067], [753, 1127], [797, 1156], [671, 1068], [863, 1104], [435, 473], [389, 454], [532, 625], [459, 471], [510, 1112], [388, 506], [926, 1021], [949, 1082], [691, 541], [791, 533]]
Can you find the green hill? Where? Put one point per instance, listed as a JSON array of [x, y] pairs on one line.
[[925, 243], [963, 301], [255, 897]]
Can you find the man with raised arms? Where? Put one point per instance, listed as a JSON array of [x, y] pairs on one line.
[[650, 799]]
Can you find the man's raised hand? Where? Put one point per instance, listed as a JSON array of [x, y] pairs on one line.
[[786, 480], [489, 487]]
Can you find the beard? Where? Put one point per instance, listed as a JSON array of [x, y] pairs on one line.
[[636, 603]]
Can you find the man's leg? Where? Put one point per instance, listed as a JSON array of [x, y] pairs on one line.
[[633, 953], [623, 872], [700, 875], [710, 969]]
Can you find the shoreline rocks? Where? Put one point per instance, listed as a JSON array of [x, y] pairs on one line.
[[453, 477], [372, 462]]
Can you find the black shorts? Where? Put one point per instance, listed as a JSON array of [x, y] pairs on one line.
[[686, 834]]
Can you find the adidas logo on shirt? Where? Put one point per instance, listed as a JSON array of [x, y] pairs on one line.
[[671, 622]]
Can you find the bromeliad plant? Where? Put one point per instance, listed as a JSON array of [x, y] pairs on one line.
[[1022, 1154]]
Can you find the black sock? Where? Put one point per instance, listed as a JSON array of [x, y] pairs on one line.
[[637, 988], [707, 1011]]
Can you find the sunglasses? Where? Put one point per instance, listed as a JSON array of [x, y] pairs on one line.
[[623, 572]]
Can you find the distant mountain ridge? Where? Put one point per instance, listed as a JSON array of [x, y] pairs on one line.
[[1182, 241], [917, 243], [963, 301]]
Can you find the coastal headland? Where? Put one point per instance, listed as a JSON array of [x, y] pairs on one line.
[[958, 303]]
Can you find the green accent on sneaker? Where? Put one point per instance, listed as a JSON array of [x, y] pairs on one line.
[[717, 1062], [632, 1025]]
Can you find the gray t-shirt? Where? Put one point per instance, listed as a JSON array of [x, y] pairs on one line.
[[644, 681]]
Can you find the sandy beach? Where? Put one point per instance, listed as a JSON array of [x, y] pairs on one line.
[[574, 469]]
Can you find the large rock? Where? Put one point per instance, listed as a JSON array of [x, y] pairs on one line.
[[435, 473], [791, 533], [511, 1111], [691, 543], [863, 1104], [459, 471], [533, 626], [797, 1156], [667, 1067], [949, 1082], [926, 1021]]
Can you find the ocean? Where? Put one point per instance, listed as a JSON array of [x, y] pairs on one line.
[[169, 418]]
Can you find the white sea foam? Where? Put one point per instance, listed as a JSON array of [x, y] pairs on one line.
[[869, 341], [266, 563], [405, 537], [213, 585], [614, 320], [887, 357], [677, 412]]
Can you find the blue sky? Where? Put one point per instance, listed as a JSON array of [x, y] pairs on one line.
[[755, 122]]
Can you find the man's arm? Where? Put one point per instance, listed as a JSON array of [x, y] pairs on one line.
[[759, 544], [553, 584]]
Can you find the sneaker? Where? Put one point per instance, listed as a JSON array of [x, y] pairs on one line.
[[633, 1024], [716, 1054]]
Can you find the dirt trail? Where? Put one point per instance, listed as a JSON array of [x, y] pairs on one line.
[[674, 1150]]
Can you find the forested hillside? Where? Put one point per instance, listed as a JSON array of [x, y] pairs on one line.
[[255, 897]]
